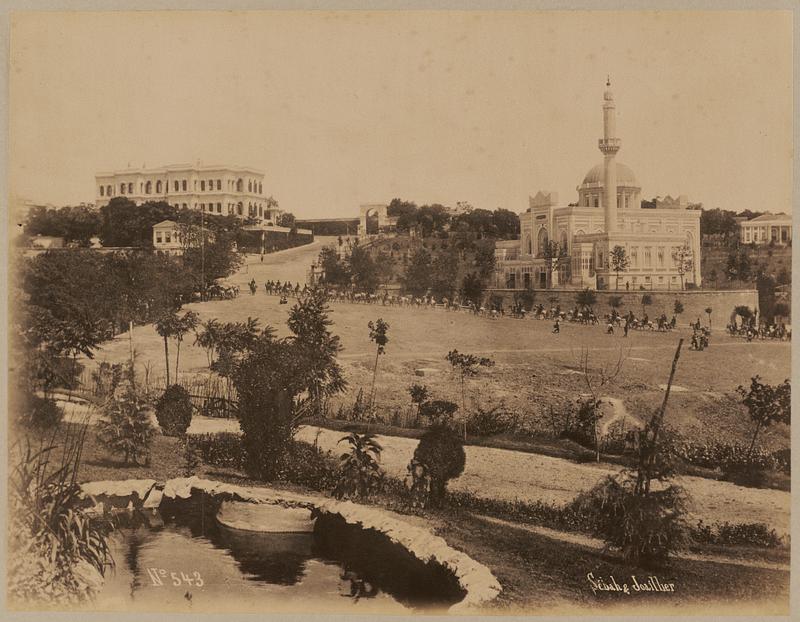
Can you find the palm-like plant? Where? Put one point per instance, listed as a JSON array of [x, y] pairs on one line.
[[187, 323], [360, 473], [125, 427]]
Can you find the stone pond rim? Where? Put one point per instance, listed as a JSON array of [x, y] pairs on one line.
[[476, 580]]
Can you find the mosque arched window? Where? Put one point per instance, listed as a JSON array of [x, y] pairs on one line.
[[148, 187], [158, 187], [541, 240]]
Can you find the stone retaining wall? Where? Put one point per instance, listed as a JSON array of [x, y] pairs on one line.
[[477, 581]]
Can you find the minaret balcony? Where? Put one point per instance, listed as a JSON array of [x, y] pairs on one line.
[[609, 145]]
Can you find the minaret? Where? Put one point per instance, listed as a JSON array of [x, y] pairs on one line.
[[609, 145]]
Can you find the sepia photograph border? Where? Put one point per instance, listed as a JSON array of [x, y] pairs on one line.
[[8, 7]]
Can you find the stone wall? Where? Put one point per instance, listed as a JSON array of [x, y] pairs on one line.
[[694, 302]]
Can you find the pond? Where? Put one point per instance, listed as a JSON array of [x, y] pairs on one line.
[[183, 559]]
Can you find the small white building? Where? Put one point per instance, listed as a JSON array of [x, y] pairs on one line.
[[47, 242], [172, 238], [167, 237], [767, 228]]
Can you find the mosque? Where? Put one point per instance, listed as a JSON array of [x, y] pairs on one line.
[[662, 244]]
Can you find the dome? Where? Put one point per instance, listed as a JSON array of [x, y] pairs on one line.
[[625, 176]]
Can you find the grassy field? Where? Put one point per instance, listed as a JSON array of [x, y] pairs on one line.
[[535, 370]]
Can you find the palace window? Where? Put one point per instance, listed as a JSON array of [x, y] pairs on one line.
[[130, 188], [158, 187], [210, 185], [176, 185], [202, 185], [148, 187], [219, 184], [183, 205], [122, 188], [183, 185], [219, 208], [648, 257], [239, 185], [634, 256], [158, 237], [660, 257], [202, 207], [102, 191]]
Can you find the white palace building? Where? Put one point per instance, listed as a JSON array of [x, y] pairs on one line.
[[608, 213], [228, 190]]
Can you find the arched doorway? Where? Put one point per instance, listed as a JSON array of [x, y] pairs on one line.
[[372, 222]]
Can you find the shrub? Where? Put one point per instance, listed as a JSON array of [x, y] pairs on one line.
[[645, 528], [222, 449], [733, 534], [438, 412], [491, 421], [125, 427], [359, 474], [441, 452], [307, 465], [304, 464], [174, 411], [39, 413]]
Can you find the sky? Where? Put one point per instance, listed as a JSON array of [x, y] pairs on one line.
[[340, 109]]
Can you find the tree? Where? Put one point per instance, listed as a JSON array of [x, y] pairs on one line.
[[76, 225], [166, 326], [472, 289], [719, 222], [335, 271], [708, 313], [506, 223], [286, 219], [619, 261], [188, 322], [683, 259], [363, 271], [445, 275], [677, 307], [553, 254], [378, 333], [647, 300], [419, 394], [587, 299], [485, 260], [596, 379], [123, 223], [466, 365], [615, 302], [417, 278], [309, 321], [766, 404]]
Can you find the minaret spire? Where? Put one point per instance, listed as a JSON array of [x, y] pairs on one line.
[[609, 145]]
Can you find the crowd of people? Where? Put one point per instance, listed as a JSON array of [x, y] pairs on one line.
[[762, 330], [613, 321]]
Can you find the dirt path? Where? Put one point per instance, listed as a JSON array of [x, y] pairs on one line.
[[513, 475]]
